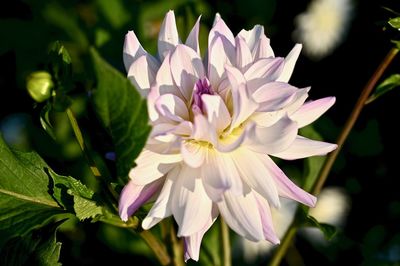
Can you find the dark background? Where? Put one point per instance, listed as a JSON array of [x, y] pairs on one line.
[[367, 167]]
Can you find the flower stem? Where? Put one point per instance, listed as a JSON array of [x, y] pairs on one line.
[[177, 247], [284, 246], [326, 168], [158, 248], [92, 165], [226, 246]]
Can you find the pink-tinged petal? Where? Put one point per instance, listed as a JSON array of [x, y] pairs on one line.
[[243, 104], [142, 73], [298, 100], [133, 196], [186, 68], [312, 110], [168, 37], [242, 215], [193, 153], [192, 243], [132, 49], [303, 148], [275, 138], [263, 49], [243, 53], [269, 68], [193, 39], [190, 205], [220, 29], [151, 166], [290, 62], [172, 107], [219, 174], [162, 207], [286, 187], [217, 113], [266, 220], [254, 173], [273, 96], [220, 53]]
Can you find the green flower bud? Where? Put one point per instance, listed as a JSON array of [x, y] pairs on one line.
[[39, 85]]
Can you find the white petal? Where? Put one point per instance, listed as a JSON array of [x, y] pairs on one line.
[[243, 104], [312, 110], [186, 68], [193, 153], [255, 174], [252, 36], [220, 53], [275, 138], [164, 80], [303, 148], [142, 73], [273, 96], [172, 107], [192, 243], [286, 187], [190, 205], [220, 174], [168, 37], [243, 53], [162, 207], [270, 68], [220, 29], [242, 215], [290, 62], [132, 49], [203, 130], [263, 49], [134, 196], [217, 113], [151, 166], [193, 39]]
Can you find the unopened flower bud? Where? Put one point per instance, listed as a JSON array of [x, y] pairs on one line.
[[39, 85]]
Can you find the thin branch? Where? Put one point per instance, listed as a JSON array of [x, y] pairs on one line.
[[326, 168], [226, 246]]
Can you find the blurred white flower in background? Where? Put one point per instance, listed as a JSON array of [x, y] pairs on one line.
[[322, 26], [332, 208]]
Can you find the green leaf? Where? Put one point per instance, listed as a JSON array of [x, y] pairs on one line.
[[60, 62], [395, 22], [387, 85], [24, 193], [45, 120], [303, 219], [122, 111], [72, 194], [313, 164], [36, 248], [328, 230]]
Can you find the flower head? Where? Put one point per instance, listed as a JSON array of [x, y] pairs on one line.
[[215, 123], [323, 25]]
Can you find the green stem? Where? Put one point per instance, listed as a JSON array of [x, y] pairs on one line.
[[177, 247], [326, 168], [284, 246], [226, 246], [158, 248], [92, 165]]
